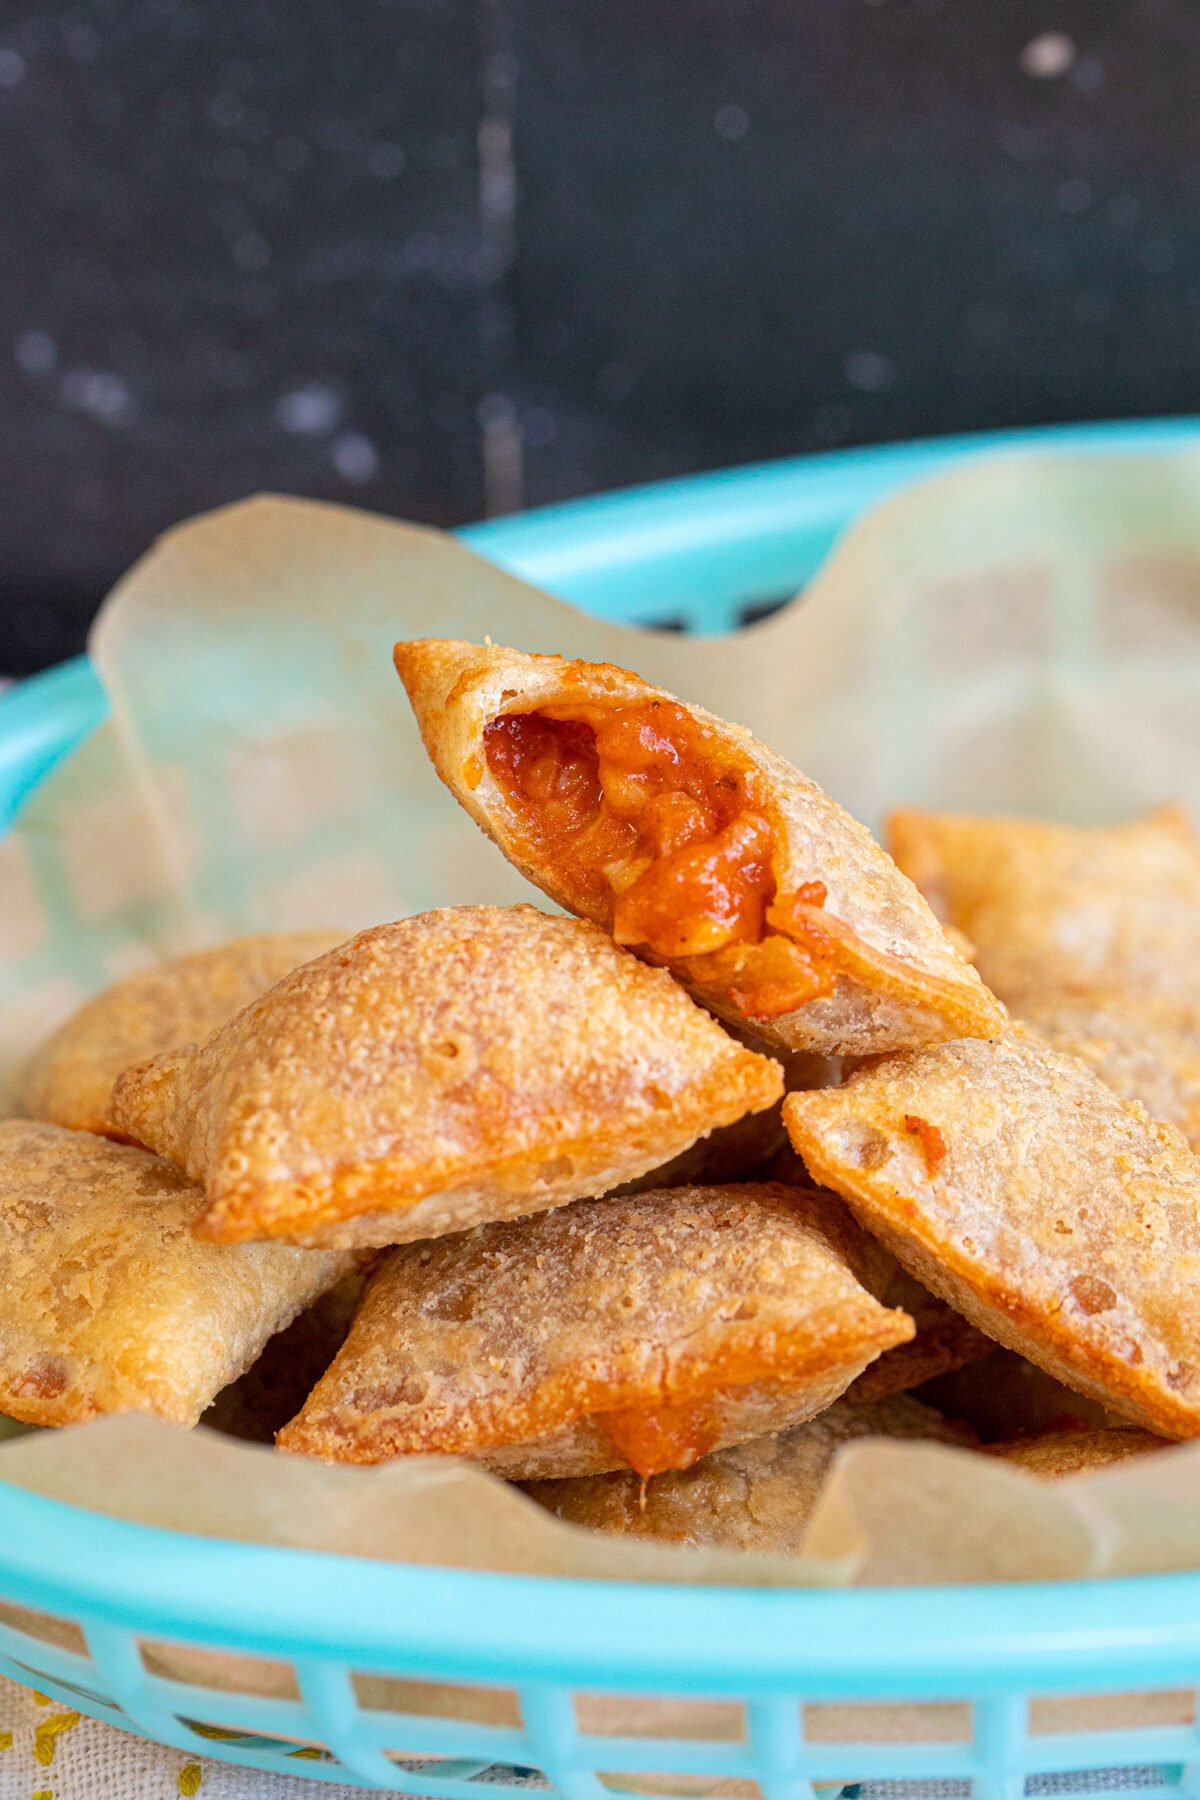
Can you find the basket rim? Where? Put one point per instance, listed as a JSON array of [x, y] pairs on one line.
[[905, 1642], [76, 1563]]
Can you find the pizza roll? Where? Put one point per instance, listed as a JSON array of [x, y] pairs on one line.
[[471, 1064], [1058, 1453], [693, 844], [753, 1496], [1131, 1051], [1060, 1219], [108, 1303], [1090, 934], [637, 1333], [68, 1081], [1085, 913]]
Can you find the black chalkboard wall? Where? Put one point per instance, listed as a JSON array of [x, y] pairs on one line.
[[446, 256]]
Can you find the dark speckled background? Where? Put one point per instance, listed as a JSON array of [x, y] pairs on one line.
[[448, 256]]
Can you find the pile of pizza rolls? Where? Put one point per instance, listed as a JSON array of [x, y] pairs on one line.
[[768, 1141]]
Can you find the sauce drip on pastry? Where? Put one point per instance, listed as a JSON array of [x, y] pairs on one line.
[[653, 1439], [647, 812]]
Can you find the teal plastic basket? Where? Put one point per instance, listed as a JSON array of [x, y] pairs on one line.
[[704, 554]]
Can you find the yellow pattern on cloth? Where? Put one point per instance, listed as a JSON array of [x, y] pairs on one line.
[[95, 1761], [46, 1732]]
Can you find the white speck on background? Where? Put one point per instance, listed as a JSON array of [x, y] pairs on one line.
[[731, 122], [309, 411], [12, 68], [354, 456], [35, 352], [868, 371], [503, 455], [101, 393], [1047, 56]]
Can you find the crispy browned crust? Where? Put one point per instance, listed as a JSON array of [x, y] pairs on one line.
[[470, 1064], [69, 1080], [902, 984], [1062, 1221], [513, 1343], [1058, 1453], [1091, 934], [753, 1496], [107, 1301]]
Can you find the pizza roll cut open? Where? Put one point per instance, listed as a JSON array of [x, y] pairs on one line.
[[695, 845], [754, 1496], [1060, 1219], [470, 1064], [69, 1080], [1091, 934], [621, 1333], [108, 1303]]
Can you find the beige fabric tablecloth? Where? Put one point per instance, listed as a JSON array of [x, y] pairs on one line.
[[50, 1753]]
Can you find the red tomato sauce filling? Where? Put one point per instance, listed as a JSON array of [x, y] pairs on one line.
[[655, 825]]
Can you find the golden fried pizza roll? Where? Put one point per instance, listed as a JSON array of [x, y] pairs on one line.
[[1058, 1453], [637, 1333], [471, 1064], [1060, 1219], [1131, 1051], [693, 844], [68, 1081], [1067, 912], [1090, 934], [753, 1496], [108, 1303]]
